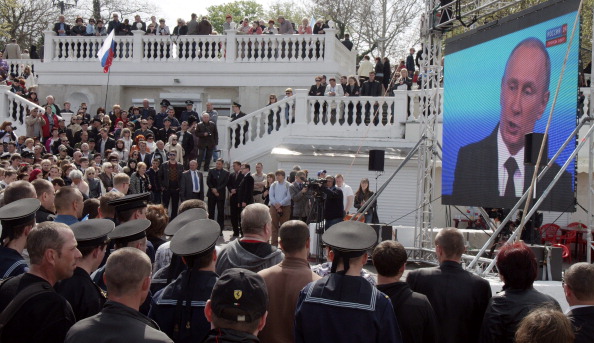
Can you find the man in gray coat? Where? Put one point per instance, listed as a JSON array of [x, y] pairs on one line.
[[128, 278], [12, 51], [252, 252], [298, 191]]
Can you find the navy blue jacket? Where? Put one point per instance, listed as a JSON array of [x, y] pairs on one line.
[[342, 308], [169, 307], [11, 263]]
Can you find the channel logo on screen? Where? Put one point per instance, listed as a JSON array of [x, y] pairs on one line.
[[556, 35]]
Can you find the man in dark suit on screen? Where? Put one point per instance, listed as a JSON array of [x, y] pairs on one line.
[[491, 172]]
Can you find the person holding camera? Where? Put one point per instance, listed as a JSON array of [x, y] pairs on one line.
[[299, 195], [334, 207]]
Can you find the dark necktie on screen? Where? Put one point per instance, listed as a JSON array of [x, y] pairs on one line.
[[511, 165]]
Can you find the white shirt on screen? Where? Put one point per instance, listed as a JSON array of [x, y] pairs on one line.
[[502, 156]]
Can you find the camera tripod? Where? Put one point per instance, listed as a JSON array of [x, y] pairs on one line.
[[316, 215]]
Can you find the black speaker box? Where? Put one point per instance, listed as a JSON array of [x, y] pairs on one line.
[[556, 261], [376, 160], [384, 232], [532, 143]]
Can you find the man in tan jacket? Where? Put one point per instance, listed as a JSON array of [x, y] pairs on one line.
[[284, 282]]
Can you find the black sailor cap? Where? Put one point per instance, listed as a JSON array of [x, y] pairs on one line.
[[195, 238], [19, 212], [184, 218], [130, 201], [130, 231], [92, 232]]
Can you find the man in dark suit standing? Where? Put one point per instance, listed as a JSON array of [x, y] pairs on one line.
[[192, 186], [579, 292], [216, 181], [458, 297], [114, 24], [61, 28], [105, 142], [143, 155], [491, 172], [208, 138], [170, 176], [245, 192], [233, 186], [236, 114], [371, 87]]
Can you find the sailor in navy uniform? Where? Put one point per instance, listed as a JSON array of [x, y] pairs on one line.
[[189, 115], [179, 307], [161, 115], [130, 234], [17, 218], [343, 306], [168, 266], [85, 297]]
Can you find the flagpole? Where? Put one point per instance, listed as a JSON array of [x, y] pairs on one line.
[[107, 91]]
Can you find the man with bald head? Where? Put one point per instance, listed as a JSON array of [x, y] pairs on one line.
[[491, 172], [69, 205]]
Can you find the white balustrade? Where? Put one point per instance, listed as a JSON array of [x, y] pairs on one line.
[[14, 108], [17, 66], [231, 48]]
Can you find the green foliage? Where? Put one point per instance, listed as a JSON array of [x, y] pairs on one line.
[[26, 20], [238, 9], [287, 8]]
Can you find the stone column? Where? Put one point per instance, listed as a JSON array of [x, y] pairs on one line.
[[48, 46]]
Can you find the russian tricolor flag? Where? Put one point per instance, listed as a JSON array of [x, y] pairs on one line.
[[105, 54]]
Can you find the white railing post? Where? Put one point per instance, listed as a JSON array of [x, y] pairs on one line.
[[230, 46], [4, 101], [400, 113], [301, 107], [329, 45], [223, 131], [137, 47], [48, 46]]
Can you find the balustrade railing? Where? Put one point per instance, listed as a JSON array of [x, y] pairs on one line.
[[229, 48], [263, 122], [18, 66], [15, 108], [280, 48]]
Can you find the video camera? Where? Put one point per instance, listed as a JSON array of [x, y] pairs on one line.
[[315, 184]]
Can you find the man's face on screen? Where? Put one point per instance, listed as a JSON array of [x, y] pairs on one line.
[[523, 95]]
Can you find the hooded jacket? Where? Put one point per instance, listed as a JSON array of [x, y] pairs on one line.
[[234, 255]]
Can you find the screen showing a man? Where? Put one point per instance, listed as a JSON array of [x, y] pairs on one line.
[[489, 171]]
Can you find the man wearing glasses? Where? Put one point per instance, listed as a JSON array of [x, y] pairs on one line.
[[144, 129]]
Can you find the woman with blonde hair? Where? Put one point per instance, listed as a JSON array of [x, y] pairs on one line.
[[139, 181], [545, 325]]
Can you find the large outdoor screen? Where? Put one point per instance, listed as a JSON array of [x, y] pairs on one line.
[[499, 84]]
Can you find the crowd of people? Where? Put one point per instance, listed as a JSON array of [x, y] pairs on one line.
[[195, 26], [135, 274]]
